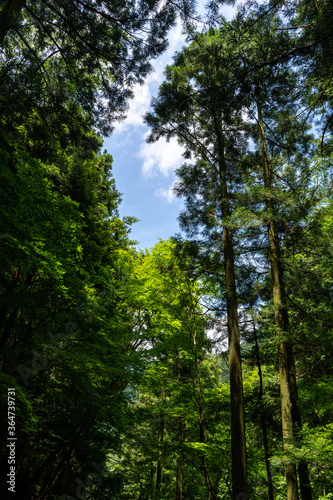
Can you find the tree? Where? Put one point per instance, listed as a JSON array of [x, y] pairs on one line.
[[177, 394], [61, 338], [100, 48], [198, 105]]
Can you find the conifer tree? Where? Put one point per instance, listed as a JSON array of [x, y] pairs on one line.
[[280, 98], [100, 49], [198, 104]]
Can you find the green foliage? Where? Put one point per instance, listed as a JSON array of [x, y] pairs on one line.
[[84, 53], [120, 388], [62, 347]]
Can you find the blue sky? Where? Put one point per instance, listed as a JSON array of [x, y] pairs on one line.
[[144, 173]]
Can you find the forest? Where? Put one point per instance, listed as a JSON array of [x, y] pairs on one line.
[[201, 368]]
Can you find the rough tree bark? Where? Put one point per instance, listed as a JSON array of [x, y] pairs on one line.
[[288, 386], [238, 441]]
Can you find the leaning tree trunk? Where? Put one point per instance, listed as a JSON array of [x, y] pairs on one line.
[[8, 16], [288, 387], [238, 441]]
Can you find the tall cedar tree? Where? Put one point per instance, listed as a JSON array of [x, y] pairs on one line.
[[198, 105], [277, 94]]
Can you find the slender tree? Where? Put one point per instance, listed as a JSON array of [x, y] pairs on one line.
[[198, 105]]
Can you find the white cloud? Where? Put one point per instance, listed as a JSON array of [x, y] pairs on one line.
[[167, 194], [175, 37], [138, 105], [161, 156]]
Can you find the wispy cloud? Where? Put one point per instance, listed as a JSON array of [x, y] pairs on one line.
[[167, 194], [160, 157]]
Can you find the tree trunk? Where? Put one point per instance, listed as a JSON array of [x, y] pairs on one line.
[[263, 420], [152, 473], [201, 418], [50, 481], [180, 473], [160, 455], [8, 16], [6, 323], [160, 449], [288, 386], [238, 441]]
